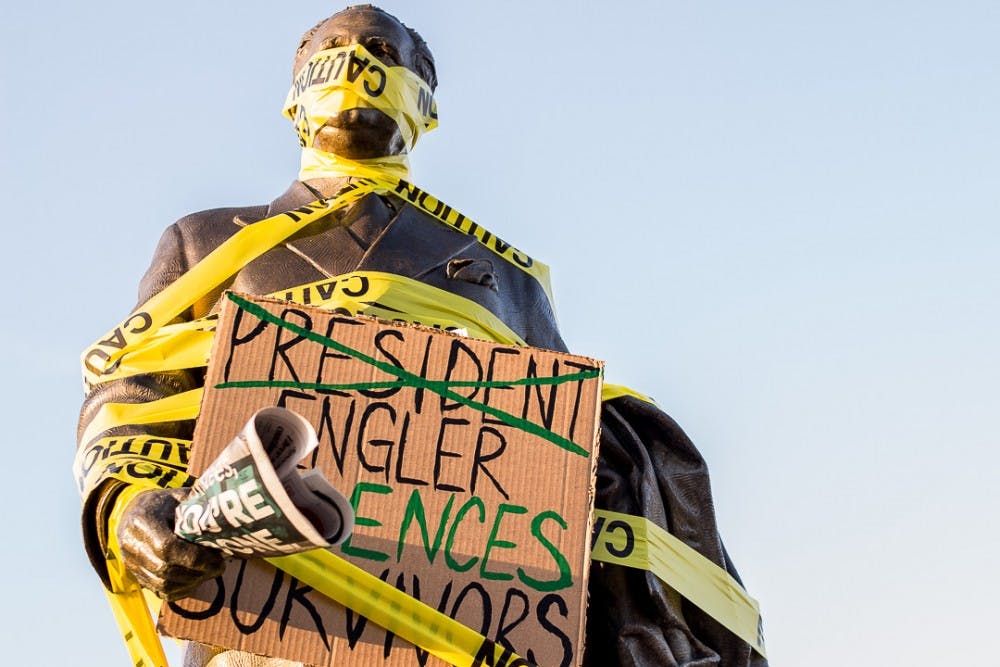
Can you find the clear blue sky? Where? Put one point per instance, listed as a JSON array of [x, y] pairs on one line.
[[778, 218]]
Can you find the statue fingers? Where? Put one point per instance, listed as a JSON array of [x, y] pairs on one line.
[[154, 554], [149, 517], [194, 557], [170, 582]]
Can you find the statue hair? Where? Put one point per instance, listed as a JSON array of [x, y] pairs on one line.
[[424, 60]]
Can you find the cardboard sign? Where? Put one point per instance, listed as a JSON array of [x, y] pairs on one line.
[[470, 466]]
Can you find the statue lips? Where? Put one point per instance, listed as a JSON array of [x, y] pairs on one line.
[[360, 133]]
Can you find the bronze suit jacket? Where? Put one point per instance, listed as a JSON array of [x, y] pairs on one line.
[[647, 466]]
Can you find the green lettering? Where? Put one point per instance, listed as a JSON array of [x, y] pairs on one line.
[[415, 510], [565, 575], [502, 544], [452, 563], [347, 547]]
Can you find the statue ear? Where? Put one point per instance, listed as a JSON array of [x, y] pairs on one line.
[[300, 55], [426, 70], [303, 45]]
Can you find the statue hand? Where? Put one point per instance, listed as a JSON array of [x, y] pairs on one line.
[[160, 561]]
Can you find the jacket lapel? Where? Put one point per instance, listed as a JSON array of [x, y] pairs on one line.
[[336, 243], [414, 245], [370, 236]]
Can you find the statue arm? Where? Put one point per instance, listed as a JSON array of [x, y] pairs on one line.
[[146, 526]]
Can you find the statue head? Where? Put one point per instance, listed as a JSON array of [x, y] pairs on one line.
[[366, 133]]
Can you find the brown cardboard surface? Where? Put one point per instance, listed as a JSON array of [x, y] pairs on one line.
[[485, 521]]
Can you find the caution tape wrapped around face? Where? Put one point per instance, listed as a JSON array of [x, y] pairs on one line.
[[350, 77]]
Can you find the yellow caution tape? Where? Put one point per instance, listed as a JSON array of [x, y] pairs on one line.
[[612, 391], [129, 603], [173, 347], [135, 459], [135, 621], [386, 296], [178, 407], [397, 612], [635, 541], [396, 298], [180, 346], [350, 77], [320, 164]]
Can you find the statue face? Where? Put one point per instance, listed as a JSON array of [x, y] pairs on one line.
[[363, 133]]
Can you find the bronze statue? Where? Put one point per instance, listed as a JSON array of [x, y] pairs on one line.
[[647, 467]]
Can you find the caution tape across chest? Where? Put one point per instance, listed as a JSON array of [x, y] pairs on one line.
[[152, 320], [384, 295]]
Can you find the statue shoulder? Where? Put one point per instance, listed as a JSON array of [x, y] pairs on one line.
[[200, 233], [187, 241]]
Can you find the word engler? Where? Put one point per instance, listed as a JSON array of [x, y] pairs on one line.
[[253, 501], [470, 467]]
